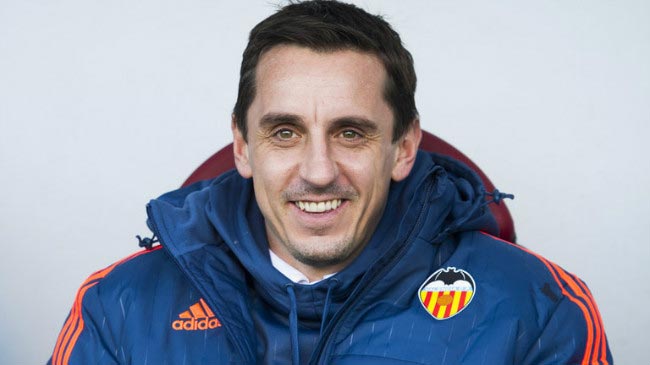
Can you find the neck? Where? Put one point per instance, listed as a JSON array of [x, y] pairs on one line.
[[312, 273]]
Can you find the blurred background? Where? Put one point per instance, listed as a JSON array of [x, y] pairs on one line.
[[107, 104]]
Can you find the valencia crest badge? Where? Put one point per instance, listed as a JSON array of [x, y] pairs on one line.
[[447, 292]]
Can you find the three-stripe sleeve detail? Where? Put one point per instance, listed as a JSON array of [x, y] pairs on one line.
[[74, 325], [577, 292]]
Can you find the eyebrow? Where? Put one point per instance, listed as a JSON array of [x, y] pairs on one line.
[[363, 124], [270, 120]]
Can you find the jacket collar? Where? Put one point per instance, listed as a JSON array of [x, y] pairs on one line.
[[221, 213]]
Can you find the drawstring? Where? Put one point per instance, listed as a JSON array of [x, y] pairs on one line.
[[293, 325], [293, 316], [331, 283], [497, 196], [146, 242]]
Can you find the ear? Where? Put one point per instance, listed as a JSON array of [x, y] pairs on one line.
[[240, 150], [407, 150]]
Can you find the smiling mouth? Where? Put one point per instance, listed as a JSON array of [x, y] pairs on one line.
[[318, 207]]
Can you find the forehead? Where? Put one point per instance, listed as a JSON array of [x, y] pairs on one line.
[[293, 56], [319, 85]]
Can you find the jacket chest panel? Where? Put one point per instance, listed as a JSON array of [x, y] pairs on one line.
[[188, 342], [173, 325], [413, 336]]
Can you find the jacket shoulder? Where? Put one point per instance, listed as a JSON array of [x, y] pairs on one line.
[[576, 310], [103, 303], [523, 278], [141, 272], [520, 264], [536, 289], [133, 283], [133, 268]]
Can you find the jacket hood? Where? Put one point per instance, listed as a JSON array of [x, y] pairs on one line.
[[439, 198]]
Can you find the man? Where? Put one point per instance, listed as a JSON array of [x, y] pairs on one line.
[[335, 241]]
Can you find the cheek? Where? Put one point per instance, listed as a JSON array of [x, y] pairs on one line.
[[369, 174], [371, 165], [277, 165], [272, 170]]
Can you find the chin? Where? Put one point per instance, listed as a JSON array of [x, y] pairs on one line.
[[315, 255]]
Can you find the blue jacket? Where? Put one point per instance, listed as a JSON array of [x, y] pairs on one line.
[[433, 286]]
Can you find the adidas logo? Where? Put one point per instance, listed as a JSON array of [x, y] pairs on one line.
[[198, 317]]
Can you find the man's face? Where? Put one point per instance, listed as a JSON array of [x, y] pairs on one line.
[[320, 154]]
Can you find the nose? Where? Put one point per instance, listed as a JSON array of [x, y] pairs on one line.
[[318, 167]]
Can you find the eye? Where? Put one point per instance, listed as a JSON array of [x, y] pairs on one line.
[[284, 137], [350, 134], [285, 134]]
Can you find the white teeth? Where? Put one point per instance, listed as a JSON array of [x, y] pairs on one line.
[[320, 207]]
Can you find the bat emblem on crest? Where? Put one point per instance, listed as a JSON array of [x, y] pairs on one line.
[[447, 292]]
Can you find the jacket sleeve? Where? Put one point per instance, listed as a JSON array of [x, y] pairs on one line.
[[84, 338], [574, 334]]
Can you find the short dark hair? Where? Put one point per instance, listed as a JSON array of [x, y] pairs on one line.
[[327, 26]]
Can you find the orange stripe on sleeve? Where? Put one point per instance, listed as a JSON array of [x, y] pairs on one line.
[[64, 335], [74, 324], [585, 311], [581, 289], [592, 318], [80, 327], [594, 312], [602, 340]]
